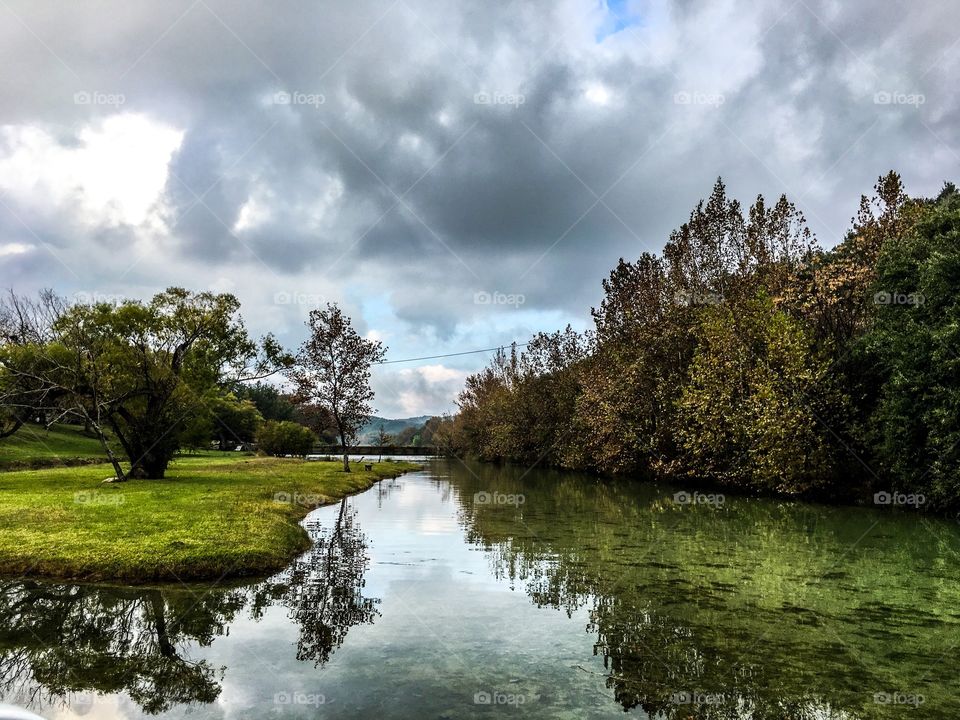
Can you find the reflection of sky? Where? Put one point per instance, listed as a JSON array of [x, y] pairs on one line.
[[447, 629]]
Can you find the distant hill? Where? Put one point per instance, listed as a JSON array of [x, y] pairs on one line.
[[369, 432]]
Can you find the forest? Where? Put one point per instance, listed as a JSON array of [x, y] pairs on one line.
[[748, 357]]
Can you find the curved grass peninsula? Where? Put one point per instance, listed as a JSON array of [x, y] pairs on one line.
[[213, 517]]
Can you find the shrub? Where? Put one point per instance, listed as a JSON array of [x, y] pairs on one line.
[[284, 438]]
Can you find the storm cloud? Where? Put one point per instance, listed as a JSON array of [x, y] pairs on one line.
[[414, 158]]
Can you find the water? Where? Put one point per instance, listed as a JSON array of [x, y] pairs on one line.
[[478, 592]]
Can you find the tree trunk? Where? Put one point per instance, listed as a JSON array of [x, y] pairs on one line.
[[101, 436], [346, 455], [154, 466]]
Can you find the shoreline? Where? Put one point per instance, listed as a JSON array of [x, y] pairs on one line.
[[212, 520]]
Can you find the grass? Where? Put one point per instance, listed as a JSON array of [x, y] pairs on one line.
[[213, 517], [61, 445]]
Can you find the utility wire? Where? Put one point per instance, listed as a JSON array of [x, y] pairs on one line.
[[465, 352]]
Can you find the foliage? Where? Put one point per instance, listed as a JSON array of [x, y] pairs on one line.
[[333, 370], [144, 370], [913, 346], [269, 401], [747, 357], [749, 414], [284, 438]]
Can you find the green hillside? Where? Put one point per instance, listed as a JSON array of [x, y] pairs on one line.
[[35, 446]]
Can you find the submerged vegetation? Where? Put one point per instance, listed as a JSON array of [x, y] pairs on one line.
[[747, 357]]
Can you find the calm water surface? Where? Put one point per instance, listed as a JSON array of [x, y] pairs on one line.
[[476, 592]]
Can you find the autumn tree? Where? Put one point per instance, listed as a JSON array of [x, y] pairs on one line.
[[333, 369]]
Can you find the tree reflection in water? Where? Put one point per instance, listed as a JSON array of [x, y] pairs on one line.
[[759, 610], [60, 640], [323, 589]]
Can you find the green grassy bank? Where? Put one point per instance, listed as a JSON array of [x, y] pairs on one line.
[[34, 446], [211, 518]]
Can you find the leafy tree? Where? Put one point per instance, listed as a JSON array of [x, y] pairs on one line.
[[284, 438], [143, 370], [235, 421], [317, 418], [407, 436], [913, 347], [753, 410], [26, 322], [333, 369], [270, 402]]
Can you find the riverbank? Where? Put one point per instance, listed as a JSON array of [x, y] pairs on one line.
[[211, 518]]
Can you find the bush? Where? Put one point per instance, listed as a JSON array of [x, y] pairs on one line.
[[284, 438]]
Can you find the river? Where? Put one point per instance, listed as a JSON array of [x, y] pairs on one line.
[[481, 591]]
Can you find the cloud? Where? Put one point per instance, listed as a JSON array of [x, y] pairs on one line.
[[425, 390], [421, 153]]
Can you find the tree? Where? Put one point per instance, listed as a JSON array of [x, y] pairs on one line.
[[913, 347], [144, 370], [383, 440], [272, 404], [284, 438], [226, 419], [25, 322], [317, 418], [333, 369], [755, 410]]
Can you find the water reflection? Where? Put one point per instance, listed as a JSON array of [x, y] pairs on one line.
[[323, 589], [586, 598], [58, 640], [753, 609], [58, 643]]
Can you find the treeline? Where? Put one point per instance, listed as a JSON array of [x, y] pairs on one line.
[[747, 357]]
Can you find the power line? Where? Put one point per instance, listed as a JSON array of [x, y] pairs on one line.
[[465, 352]]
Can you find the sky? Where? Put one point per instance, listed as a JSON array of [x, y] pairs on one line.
[[457, 175]]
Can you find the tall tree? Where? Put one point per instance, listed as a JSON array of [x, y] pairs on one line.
[[333, 369]]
